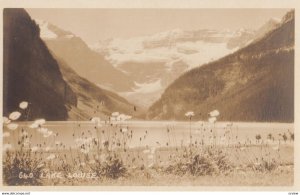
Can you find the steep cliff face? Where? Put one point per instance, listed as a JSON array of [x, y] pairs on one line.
[[30, 73], [93, 100], [255, 83], [85, 62]]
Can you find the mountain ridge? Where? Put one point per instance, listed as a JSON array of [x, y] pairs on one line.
[[85, 62], [30, 73], [92, 100], [255, 83], [172, 53], [146, 65]]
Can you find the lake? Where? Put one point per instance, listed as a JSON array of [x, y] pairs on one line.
[[158, 133]]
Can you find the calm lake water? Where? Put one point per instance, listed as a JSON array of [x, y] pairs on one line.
[[157, 133]]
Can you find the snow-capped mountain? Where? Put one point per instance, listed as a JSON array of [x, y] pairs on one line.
[[155, 61], [88, 64], [140, 68], [255, 83], [74, 58], [50, 31], [191, 47]]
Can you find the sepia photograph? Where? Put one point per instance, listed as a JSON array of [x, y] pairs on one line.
[[148, 97]]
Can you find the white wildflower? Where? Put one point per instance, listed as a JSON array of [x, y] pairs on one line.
[[115, 114], [27, 142], [124, 130], [257, 164], [150, 165], [229, 124], [212, 119], [47, 149], [37, 123], [34, 149], [96, 120], [214, 113], [85, 151], [51, 157], [47, 134], [23, 105], [121, 117], [269, 141], [40, 121], [81, 141], [78, 140], [146, 151], [200, 123], [189, 114], [34, 126], [82, 164], [128, 117], [7, 147], [42, 130], [12, 126], [14, 115], [6, 120]]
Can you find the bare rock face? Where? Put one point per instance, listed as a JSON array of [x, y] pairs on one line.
[[85, 62], [30, 71], [256, 83]]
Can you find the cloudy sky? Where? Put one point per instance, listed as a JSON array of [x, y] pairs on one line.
[[99, 24]]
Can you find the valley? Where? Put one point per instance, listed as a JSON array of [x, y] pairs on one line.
[[189, 106]]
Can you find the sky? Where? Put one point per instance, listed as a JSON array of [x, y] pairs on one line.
[[93, 25]]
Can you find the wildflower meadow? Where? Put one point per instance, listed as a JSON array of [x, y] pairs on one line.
[[119, 150]]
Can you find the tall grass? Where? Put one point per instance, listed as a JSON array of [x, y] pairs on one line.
[[104, 152]]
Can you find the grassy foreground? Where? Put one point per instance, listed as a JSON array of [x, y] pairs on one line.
[[34, 155]]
